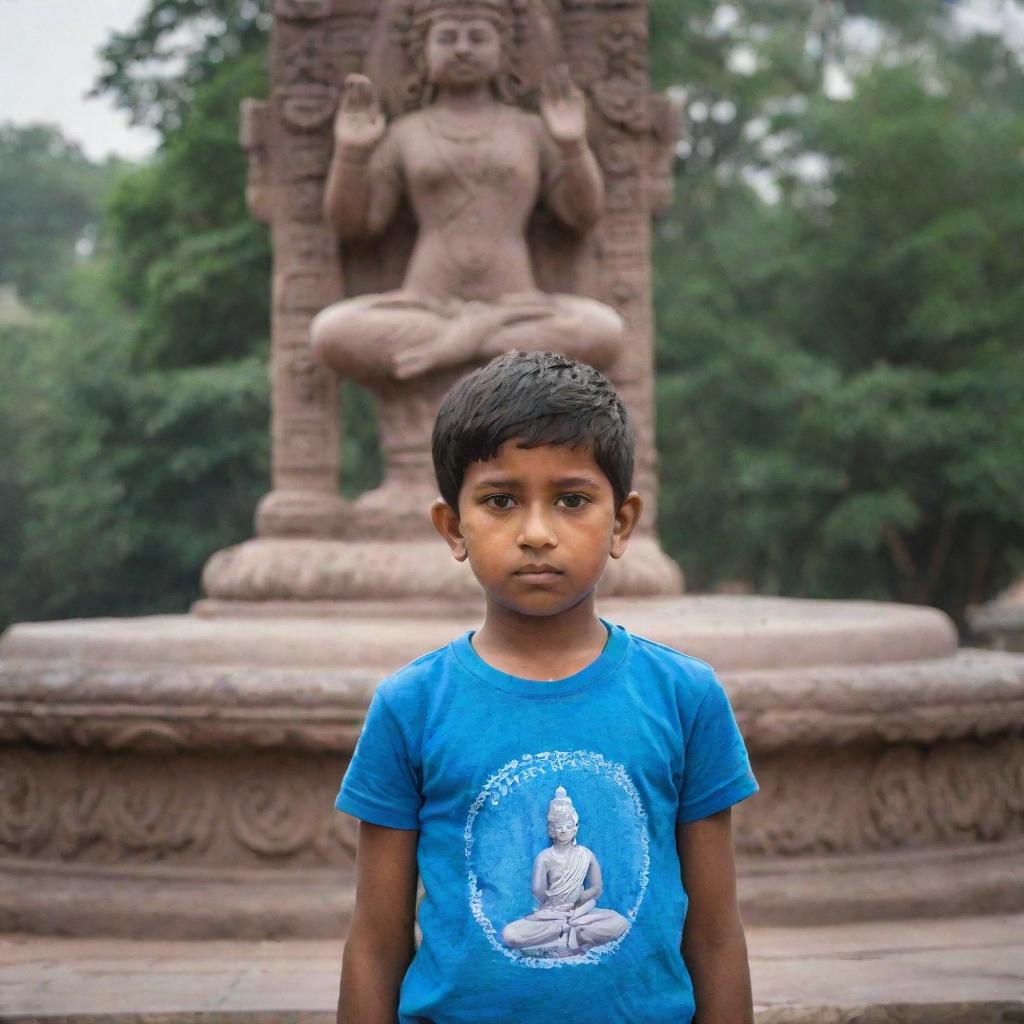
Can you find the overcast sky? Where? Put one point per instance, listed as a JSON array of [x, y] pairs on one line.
[[48, 62]]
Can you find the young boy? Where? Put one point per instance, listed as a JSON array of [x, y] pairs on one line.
[[560, 787]]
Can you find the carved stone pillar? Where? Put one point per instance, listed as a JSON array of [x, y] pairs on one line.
[[289, 142]]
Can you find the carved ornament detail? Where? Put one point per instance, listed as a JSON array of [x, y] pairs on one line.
[[269, 808], [307, 107], [198, 811], [859, 800]]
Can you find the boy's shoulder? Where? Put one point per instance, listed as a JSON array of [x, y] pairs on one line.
[[689, 675], [671, 655], [417, 679]]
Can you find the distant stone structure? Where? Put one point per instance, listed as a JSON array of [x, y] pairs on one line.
[[1000, 623]]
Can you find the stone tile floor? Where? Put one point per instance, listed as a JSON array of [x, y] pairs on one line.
[[958, 970]]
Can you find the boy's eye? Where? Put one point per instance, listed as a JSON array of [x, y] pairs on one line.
[[500, 501], [573, 500]]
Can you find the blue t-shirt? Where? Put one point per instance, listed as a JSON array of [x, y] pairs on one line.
[[546, 814]]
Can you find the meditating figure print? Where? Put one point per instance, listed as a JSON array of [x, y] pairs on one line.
[[566, 884]]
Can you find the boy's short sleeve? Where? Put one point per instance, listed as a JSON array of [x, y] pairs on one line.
[[381, 785], [716, 770]]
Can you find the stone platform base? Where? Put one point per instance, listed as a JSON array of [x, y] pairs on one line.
[[969, 971], [175, 904], [174, 776]]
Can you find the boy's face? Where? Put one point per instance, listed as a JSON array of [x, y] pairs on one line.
[[537, 526]]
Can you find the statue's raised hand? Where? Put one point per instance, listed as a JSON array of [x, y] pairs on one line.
[[359, 124], [562, 107]]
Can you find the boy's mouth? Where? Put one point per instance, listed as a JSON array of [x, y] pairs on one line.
[[541, 571]]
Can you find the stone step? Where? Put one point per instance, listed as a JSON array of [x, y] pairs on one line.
[[949, 971]]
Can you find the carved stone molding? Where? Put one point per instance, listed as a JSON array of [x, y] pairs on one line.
[[258, 811], [198, 807], [411, 562], [149, 708], [976, 695], [861, 799]]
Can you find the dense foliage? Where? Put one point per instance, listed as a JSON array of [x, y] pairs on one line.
[[134, 411], [51, 200], [115, 485], [838, 289], [838, 368]]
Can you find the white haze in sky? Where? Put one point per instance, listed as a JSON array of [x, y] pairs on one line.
[[48, 63]]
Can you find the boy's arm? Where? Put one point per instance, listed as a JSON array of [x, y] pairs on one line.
[[714, 947], [380, 943]]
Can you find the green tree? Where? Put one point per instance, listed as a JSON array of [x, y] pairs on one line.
[[840, 362], [135, 413], [189, 259], [51, 198], [155, 69], [837, 293], [117, 484]]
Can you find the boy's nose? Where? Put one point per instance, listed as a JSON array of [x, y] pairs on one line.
[[536, 531]]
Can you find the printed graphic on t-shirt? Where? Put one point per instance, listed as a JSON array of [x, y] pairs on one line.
[[557, 858]]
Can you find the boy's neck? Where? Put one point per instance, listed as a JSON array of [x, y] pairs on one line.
[[542, 647]]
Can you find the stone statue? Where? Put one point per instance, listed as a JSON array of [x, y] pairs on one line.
[[566, 884], [473, 167], [488, 170]]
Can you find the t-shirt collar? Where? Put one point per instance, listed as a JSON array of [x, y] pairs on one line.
[[609, 659]]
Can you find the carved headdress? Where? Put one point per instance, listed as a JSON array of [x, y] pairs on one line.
[[502, 12], [396, 63], [561, 807]]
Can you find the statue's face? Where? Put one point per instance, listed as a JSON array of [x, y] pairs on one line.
[[462, 53], [562, 829]]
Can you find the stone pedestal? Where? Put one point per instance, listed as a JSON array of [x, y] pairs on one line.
[[174, 776]]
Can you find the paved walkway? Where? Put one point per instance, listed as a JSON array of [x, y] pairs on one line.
[[958, 971]]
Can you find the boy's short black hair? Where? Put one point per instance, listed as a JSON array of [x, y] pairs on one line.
[[535, 398]]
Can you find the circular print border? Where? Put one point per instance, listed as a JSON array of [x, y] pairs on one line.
[[500, 781]]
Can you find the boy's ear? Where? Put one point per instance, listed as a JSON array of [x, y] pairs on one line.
[[446, 522], [626, 518]]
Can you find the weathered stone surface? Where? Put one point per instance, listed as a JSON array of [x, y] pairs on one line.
[[73, 702], [175, 775], [882, 886], [262, 810]]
